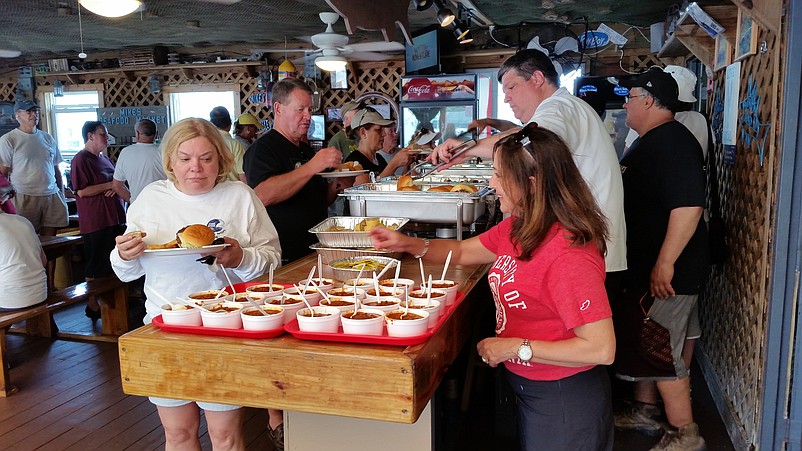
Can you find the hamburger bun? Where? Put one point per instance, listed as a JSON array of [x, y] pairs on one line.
[[404, 180], [463, 188], [441, 189], [408, 188], [194, 236]]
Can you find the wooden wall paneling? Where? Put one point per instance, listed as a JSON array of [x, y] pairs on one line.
[[734, 310]]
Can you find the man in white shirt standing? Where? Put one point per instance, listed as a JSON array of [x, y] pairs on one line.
[[531, 87], [221, 118], [138, 164], [30, 157]]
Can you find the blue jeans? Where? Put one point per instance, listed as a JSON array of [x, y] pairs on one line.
[[575, 413]]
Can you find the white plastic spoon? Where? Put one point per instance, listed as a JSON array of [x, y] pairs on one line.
[[445, 267]]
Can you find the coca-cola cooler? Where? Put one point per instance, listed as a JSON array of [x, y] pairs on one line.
[[441, 103]]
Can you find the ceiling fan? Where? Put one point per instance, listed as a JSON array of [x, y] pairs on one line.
[[333, 48]]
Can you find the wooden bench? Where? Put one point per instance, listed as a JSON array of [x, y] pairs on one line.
[[39, 321]]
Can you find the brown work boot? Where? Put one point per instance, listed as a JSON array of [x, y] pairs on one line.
[[686, 438], [640, 417]]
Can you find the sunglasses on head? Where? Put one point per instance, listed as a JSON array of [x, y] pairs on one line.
[[522, 137]]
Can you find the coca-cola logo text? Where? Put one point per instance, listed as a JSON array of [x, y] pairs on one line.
[[418, 90]]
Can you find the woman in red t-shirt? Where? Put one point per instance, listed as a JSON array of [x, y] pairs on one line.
[[553, 319]]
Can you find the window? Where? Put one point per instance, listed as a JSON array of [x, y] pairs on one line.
[[199, 100], [68, 115]]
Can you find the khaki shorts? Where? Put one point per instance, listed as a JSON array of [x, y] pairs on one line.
[[43, 211]]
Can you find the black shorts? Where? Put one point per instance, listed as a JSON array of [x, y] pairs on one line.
[[97, 248]]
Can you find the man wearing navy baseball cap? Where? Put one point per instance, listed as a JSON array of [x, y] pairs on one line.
[[667, 255], [30, 157]]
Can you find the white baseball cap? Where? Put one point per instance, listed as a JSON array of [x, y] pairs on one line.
[[686, 81]]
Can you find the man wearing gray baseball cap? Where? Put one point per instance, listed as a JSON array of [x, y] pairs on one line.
[[29, 157]]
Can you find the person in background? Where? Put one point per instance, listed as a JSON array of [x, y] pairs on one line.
[[29, 158], [220, 117], [6, 193], [341, 141], [390, 147], [245, 129], [553, 320], [282, 170], [694, 121], [668, 256], [531, 88], [22, 264], [197, 162], [367, 130], [101, 211], [139, 164]]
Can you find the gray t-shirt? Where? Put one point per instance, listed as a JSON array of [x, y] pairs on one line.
[[31, 157], [139, 164]]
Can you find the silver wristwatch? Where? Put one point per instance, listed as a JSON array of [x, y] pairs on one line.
[[525, 351]]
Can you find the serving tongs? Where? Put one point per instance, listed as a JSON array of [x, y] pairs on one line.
[[457, 151]]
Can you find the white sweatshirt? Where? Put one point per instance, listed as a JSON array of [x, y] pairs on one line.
[[161, 210]]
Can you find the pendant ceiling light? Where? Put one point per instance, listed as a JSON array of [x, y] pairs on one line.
[[111, 8]]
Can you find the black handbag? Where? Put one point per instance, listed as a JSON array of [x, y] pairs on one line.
[[655, 340], [716, 228]]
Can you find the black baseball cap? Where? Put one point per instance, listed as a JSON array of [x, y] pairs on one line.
[[660, 85]]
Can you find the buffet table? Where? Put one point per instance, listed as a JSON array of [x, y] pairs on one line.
[[347, 390]]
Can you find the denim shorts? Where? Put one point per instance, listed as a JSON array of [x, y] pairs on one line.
[[210, 406]]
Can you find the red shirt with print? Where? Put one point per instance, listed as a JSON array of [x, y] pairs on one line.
[[545, 298]]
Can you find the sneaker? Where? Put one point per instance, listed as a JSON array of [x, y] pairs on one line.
[[640, 417], [277, 436], [686, 438]]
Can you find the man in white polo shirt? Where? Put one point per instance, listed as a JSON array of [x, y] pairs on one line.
[[30, 157]]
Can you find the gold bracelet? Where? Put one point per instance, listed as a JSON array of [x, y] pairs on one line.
[[425, 248]]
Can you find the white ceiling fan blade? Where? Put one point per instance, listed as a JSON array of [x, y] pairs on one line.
[[368, 56], [375, 46], [9, 53]]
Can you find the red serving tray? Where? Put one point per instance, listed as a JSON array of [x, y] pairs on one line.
[[220, 332], [383, 339]]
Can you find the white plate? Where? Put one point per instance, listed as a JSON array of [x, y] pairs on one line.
[[335, 174], [182, 251]]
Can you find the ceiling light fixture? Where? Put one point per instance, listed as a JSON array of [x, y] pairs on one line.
[[422, 5], [111, 8], [444, 15], [154, 84], [58, 89], [462, 32], [81, 55], [331, 63]]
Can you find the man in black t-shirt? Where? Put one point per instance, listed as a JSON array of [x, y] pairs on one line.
[[281, 168], [667, 255]]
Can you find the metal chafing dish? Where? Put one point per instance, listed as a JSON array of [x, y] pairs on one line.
[[382, 199]]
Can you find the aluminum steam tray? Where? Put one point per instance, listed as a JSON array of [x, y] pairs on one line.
[[328, 254], [350, 237], [381, 199]]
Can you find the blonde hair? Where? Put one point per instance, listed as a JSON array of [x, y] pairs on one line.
[[187, 129]]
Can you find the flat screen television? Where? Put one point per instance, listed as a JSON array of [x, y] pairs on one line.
[[423, 56], [601, 91], [317, 128]]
